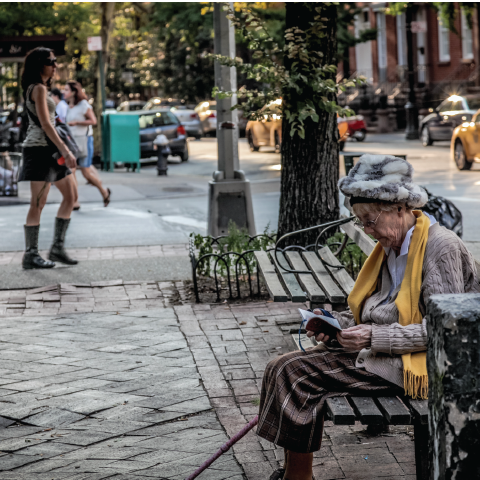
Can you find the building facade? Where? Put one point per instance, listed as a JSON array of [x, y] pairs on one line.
[[440, 56]]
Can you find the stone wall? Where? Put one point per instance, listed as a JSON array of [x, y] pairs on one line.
[[454, 386]]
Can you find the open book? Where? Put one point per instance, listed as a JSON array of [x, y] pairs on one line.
[[320, 323]]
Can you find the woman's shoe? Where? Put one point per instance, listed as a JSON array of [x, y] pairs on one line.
[[106, 200], [57, 252], [277, 474], [31, 258], [77, 207]]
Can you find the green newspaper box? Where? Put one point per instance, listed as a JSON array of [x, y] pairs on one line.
[[120, 140]]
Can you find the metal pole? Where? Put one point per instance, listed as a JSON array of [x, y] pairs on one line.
[[230, 197], [102, 78], [411, 132], [226, 80]]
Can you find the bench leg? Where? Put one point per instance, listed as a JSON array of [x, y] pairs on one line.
[[421, 450]]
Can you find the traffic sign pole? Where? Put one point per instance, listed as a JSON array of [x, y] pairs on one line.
[[230, 197]]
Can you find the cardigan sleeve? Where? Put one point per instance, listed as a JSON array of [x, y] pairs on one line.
[[450, 272], [345, 319]]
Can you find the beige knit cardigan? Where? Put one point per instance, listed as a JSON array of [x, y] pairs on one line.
[[448, 267]]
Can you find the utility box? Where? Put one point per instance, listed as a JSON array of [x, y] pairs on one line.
[[120, 140]]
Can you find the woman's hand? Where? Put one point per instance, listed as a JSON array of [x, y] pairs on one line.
[[72, 124], [319, 337], [355, 338], [70, 160]]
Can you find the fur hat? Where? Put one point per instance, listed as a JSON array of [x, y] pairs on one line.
[[383, 178]]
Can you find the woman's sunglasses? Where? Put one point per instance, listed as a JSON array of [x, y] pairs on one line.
[[50, 62]]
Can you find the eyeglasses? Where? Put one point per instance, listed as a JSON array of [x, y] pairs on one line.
[[367, 224], [50, 62]]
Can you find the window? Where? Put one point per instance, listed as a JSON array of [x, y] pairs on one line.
[[382, 47], [443, 42], [467, 48]]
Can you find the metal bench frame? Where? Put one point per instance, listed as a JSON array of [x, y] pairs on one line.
[[313, 274]]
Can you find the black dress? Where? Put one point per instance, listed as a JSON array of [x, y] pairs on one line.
[[38, 162]]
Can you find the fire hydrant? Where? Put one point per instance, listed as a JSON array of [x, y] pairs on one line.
[[163, 150]]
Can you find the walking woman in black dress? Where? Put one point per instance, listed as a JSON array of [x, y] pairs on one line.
[[39, 166]]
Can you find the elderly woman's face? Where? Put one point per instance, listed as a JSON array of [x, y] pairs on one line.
[[389, 227]]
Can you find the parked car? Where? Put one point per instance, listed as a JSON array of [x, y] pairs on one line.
[[465, 145], [158, 102], [162, 121], [189, 119], [268, 131], [131, 105], [452, 112], [207, 112]]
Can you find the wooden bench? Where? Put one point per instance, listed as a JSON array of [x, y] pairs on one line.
[[305, 277]]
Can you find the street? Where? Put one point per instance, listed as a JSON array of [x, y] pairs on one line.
[[151, 210], [148, 210]]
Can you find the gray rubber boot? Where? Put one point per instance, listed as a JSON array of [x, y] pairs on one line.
[[57, 252], [31, 258]]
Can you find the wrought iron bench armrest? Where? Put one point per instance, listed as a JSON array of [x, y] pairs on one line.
[[324, 226]]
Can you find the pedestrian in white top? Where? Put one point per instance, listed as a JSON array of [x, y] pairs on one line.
[[80, 117], [61, 105]]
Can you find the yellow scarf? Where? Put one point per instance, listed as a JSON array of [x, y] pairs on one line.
[[414, 364]]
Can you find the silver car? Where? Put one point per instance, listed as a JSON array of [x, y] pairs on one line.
[[189, 119], [207, 112]]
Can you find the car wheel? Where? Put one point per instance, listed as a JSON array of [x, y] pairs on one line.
[[426, 139], [360, 135], [461, 158], [184, 154], [253, 148], [278, 145]]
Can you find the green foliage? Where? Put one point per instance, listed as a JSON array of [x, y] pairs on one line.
[[185, 33], [352, 257], [307, 73], [237, 240]]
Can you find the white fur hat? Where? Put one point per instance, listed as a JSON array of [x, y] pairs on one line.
[[384, 178]]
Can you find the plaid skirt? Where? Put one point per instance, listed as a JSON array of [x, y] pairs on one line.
[[295, 387]]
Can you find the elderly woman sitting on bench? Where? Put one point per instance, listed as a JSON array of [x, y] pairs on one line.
[[382, 347]]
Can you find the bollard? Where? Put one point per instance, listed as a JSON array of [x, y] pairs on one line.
[[453, 360]]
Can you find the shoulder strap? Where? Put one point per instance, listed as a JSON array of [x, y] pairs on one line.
[[32, 116]]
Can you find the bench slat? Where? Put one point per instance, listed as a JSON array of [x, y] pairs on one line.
[[334, 294], [267, 269], [366, 410], [365, 243], [340, 274], [292, 287], [340, 411], [307, 281], [394, 410], [420, 410]]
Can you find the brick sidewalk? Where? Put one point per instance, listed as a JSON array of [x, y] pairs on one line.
[[102, 381], [106, 253], [231, 346]]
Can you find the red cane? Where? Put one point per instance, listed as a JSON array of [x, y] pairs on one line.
[[226, 446]]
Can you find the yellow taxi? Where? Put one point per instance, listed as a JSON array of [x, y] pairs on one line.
[[465, 145], [267, 132]]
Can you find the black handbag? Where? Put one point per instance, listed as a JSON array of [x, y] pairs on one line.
[[445, 212]]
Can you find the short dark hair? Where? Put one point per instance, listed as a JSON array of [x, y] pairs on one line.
[[57, 93], [32, 70]]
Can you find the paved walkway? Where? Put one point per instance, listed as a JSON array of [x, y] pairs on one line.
[[137, 263], [125, 380]]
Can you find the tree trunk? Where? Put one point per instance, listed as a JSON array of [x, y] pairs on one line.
[[309, 193], [107, 11]]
